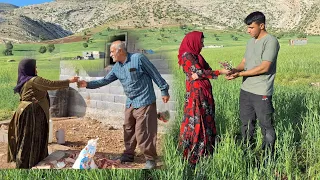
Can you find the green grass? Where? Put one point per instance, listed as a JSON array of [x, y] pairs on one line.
[[296, 122], [72, 174], [296, 102]]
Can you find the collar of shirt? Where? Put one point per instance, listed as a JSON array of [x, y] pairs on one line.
[[126, 60]]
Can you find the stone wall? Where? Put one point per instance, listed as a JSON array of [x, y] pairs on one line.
[[98, 103]]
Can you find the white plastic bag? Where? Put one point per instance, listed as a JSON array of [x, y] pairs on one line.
[[85, 158]]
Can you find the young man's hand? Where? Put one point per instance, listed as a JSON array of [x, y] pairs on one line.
[[233, 76]]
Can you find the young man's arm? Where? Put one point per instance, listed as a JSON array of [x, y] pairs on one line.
[[269, 55], [261, 69], [240, 67]]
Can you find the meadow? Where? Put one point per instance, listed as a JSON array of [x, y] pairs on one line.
[[297, 105]]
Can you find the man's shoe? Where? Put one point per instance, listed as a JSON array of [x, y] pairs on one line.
[[150, 164], [126, 158]]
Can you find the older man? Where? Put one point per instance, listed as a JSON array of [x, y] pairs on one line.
[[136, 73]]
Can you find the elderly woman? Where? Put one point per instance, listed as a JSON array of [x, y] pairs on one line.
[[28, 129], [197, 131]]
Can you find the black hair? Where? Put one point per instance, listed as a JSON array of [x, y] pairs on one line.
[[257, 17]]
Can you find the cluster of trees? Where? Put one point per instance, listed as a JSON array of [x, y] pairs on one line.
[[8, 50], [9, 47], [50, 48]]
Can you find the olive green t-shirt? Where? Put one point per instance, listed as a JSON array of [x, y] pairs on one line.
[[264, 49]]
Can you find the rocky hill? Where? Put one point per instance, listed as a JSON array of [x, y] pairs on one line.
[[6, 7], [64, 17]]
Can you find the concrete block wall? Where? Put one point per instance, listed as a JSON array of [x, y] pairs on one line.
[[110, 98]]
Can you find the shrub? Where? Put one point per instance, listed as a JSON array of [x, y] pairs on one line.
[[7, 52], [50, 48], [42, 49], [9, 45]]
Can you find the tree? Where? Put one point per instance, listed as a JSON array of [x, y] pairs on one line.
[[42, 38], [183, 26], [42, 49], [50, 48], [85, 45], [7, 52], [217, 39], [235, 38], [9, 45], [302, 36]]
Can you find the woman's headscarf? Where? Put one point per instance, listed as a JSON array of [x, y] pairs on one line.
[[26, 71], [191, 43]]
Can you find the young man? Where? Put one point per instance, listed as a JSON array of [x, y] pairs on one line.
[[136, 73], [258, 69]]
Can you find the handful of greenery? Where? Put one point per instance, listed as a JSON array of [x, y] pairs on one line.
[[226, 65]]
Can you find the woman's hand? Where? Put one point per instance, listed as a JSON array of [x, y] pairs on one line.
[[224, 71], [194, 76]]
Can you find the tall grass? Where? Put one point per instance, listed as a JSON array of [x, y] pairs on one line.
[[73, 174], [297, 115], [296, 122]]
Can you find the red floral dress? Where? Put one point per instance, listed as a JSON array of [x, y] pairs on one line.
[[198, 131]]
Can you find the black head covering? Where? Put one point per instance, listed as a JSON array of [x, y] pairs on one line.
[[26, 71]]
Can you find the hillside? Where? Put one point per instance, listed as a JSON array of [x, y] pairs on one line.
[[7, 7], [61, 18]]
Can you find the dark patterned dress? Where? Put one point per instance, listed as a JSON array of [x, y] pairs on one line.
[[198, 131]]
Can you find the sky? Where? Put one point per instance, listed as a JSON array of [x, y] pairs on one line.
[[24, 2]]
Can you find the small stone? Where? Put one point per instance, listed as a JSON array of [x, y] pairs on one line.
[[111, 128]]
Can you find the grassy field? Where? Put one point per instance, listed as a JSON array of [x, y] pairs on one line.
[[297, 105]]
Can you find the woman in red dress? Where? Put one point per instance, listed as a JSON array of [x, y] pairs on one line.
[[197, 131]]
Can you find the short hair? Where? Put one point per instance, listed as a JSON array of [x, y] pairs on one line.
[[257, 17], [119, 45]]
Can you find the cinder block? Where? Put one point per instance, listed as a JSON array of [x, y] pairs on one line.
[[64, 77], [160, 63], [104, 89], [92, 91], [84, 95], [116, 90], [161, 106], [95, 96], [167, 77], [172, 114], [172, 105], [102, 105], [117, 107], [91, 103], [120, 99], [107, 97]]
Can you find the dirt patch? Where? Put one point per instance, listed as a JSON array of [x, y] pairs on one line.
[[77, 134], [68, 39]]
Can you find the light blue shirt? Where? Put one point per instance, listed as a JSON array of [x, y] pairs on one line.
[[136, 75]]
